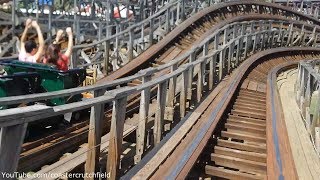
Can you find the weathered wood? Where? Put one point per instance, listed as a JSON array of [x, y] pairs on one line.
[[161, 101], [94, 137], [171, 95], [244, 165], [221, 63], [200, 80], [11, 139], [212, 70], [192, 58], [252, 156], [183, 93], [143, 119], [242, 146], [225, 173], [242, 136], [116, 135]]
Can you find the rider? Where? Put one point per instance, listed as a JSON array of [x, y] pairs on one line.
[[53, 54], [29, 52]]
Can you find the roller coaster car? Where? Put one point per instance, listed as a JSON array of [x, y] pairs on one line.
[[28, 78], [51, 79], [21, 83]]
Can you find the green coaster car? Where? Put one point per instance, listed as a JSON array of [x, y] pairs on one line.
[[51, 79], [21, 83]]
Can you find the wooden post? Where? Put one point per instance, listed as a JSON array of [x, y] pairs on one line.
[[183, 94], [143, 119], [94, 137], [221, 63], [106, 56], [151, 32], [290, 39], [212, 70], [168, 20], [183, 6], [189, 92], [130, 45], [230, 56], [161, 103], [11, 139], [200, 80], [116, 137], [171, 95]]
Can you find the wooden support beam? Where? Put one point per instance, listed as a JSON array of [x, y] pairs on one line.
[[200, 80], [11, 139], [143, 119], [94, 137], [221, 63], [171, 95], [159, 120], [192, 58], [183, 93], [116, 135], [212, 71]]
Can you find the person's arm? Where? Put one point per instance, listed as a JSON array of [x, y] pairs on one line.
[[38, 55], [58, 36], [24, 35], [70, 42]]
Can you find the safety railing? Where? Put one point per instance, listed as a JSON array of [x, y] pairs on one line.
[[308, 97], [108, 50]]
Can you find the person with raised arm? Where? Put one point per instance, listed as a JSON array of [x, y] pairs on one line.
[[29, 51], [53, 54]]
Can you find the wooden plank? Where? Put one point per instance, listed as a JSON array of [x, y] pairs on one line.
[[247, 119], [251, 99], [116, 137], [248, 114], [241, 164], [262, 87], [255, 110], [245, 137], [11, 139], [248, 129], [250, 102], [251, 95], [230, 174], [242, 146], [248, 124], [254, 92], [258, 106], [159, 120], [259, 157]]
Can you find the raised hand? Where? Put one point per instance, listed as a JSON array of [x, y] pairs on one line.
[[34, 24], [69, 30], [28, 23]]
